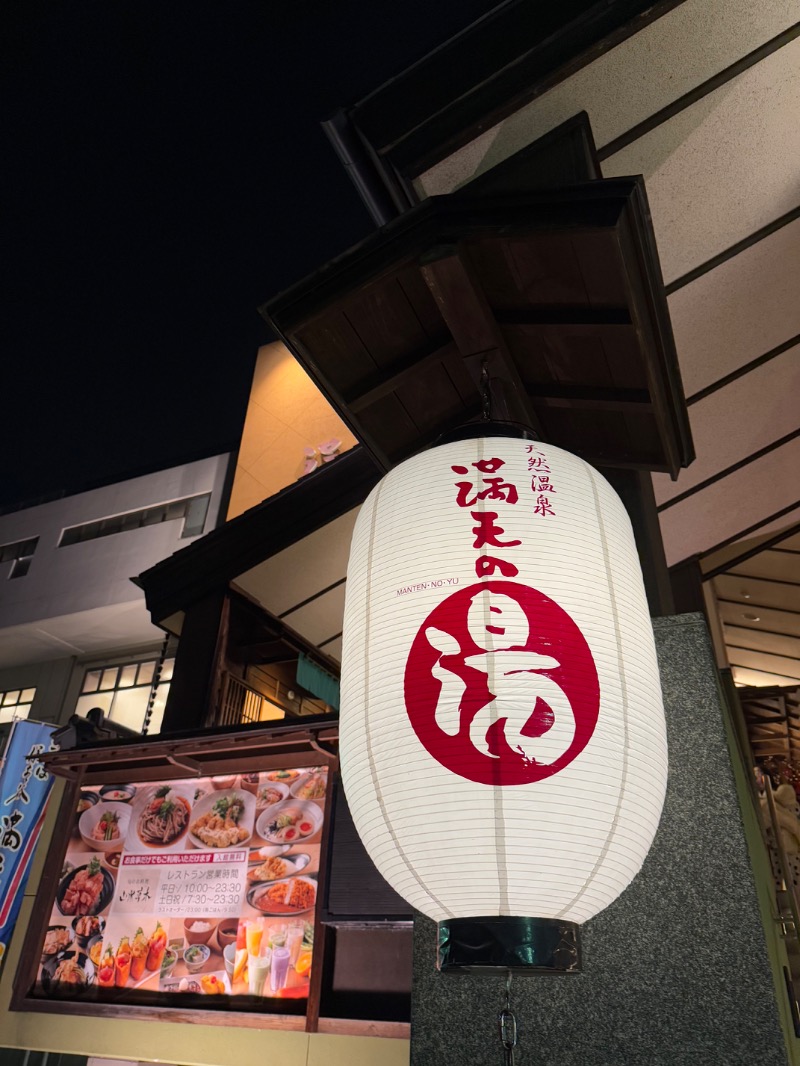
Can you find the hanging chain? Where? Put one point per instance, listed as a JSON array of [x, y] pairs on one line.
[[508, 1027], [486, 393]]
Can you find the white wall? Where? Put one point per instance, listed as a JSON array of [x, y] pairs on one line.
[[97, 573], [79, 600]]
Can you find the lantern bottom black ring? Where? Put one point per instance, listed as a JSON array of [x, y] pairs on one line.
[[499, 944]]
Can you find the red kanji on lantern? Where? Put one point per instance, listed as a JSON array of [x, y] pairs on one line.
[[496, 489], [488, 531], [488, 565]]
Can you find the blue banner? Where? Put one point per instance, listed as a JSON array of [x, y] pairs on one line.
[[24, 788]]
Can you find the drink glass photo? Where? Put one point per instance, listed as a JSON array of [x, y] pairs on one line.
[[258, 966], [280, 969]]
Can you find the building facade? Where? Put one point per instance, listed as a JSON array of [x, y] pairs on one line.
[[699, 97], [74, 631]]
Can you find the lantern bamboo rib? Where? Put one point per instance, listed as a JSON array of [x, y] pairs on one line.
[[624, 688], [504, 906], [372, 769]]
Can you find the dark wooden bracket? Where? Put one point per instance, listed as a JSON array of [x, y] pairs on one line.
[[467, 314]]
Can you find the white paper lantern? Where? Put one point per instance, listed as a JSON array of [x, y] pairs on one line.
[[502, 731]]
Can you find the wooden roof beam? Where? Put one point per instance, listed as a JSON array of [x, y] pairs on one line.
[[467, 314], [592, 399], [595, 318], [440, 350]]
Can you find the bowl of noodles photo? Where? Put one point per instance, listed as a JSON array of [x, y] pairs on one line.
[[161, 819]]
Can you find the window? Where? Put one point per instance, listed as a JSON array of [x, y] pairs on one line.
[[16, 704], [19, 555], [193, 510], [123, 693]]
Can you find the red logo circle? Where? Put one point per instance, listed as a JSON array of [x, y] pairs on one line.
[[500, 685]]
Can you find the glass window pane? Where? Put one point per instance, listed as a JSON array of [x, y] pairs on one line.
[[196, 514], [7, 714], [108, 679], [98, 699], [146, 671], [28, 695], [91, 683], [11, 697], [159, 703], [127, 676], [166, 669], [20, 567], [129, 707], [155, 722]]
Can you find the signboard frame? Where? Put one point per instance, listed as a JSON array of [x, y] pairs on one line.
[[210, 754]]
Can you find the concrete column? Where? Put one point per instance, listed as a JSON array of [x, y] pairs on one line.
[[676, 971]]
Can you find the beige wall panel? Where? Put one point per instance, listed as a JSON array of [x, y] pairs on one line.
[[755, 594], [657, 66], [774, 565], [286, 413], [754, 679], [763, 487], [749, 637], [304, 569], [724, 167], [715, 329], [247, 492], [791, 518], [733, 551], [320, 619], [334, 649], [778, 621], [732, 423], [328, 1050], [767, 664]]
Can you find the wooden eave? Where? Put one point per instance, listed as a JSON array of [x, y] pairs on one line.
[[215, 560], [207, 752], [557, 294], [493, 67]]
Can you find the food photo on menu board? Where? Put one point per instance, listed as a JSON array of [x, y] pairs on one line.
[[205, 886]]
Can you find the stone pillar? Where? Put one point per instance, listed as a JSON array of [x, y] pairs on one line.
[[675, 971]]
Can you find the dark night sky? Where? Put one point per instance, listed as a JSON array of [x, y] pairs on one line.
[[164, 173]]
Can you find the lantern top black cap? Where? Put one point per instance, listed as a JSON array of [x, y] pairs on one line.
[[486, 428]]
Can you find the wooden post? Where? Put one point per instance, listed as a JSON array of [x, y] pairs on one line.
[[635, 488], [199, 665]]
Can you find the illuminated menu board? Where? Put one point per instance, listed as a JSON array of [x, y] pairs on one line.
[[202, 887]]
